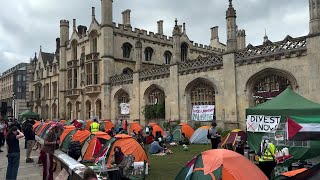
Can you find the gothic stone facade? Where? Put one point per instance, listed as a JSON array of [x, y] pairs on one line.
[[109, 64]]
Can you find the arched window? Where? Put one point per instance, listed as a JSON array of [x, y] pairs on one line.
[[88, 109], [54, 111], [123, 98], [98, 109], [148, 53], [155, 96], [93, 42], [69, 109], [202, 94], [46, 113], [126, 47], [268, 87], [167, 57], [74, 50], [78, 107], [127, 71], [184, 52]]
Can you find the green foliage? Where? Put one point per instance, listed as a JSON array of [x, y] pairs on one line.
[[154, 111], [223, 132], [196, 124]]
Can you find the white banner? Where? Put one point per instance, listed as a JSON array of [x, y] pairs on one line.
[[261, 123], [202, 113], [125, 108]]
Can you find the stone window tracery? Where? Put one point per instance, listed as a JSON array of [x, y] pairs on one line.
[[268, 87], [148, 54], [167, 57], [74, 48], [184, 52], [126, 47], [155, 97], [202, 94]]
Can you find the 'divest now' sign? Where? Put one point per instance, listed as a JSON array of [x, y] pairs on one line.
[[261, 123]]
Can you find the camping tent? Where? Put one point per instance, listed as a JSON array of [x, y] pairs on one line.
[[65, 132], [88, 123], [220, 164], [106, 124], [200, 136], [156, 128], [128, 146], [287, 104], [92, 147], [135, 126], [42, 128], [27, 115], [36, 124], [182, 128], [231, 137], [81, 135], [66, 141]]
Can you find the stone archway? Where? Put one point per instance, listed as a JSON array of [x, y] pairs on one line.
[[154, 109], [122, 98], [200, 91], [267, 84]]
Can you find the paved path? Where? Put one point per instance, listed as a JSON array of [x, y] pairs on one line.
[[27, 171]]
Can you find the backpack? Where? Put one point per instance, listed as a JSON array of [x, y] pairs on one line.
[[74, 149], [208, 134]]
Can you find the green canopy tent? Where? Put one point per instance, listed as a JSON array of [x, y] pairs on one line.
[[293, 105], [28, 114]]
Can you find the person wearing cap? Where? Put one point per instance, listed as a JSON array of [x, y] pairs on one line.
[[95, 126], [267, 159], [47, 151]]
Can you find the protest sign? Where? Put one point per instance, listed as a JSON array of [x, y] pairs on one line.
[[261, 123], [202, 112]]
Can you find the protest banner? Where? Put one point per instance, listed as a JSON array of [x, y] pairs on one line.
[[125, 108], [202, 112], [261, 123]]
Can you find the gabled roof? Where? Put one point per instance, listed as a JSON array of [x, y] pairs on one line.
[[47, 57]]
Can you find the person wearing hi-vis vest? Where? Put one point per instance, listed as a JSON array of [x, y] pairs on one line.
[[95, 126], [267, 159]]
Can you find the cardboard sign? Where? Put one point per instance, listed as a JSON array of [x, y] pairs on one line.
[[202, 113], [261, 123]]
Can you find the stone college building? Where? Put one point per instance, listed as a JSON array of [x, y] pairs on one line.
[[96, 69]]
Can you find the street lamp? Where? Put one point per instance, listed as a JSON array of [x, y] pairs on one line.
[[14, 105]]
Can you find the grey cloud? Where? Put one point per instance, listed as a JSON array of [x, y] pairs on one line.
[[27, 24]]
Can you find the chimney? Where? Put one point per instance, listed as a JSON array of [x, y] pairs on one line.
[[74, 25], [160, 27], [215, 33], [184, 28], [82, 30], [57, 45], [126, 18], [241, 39], [93, 13]]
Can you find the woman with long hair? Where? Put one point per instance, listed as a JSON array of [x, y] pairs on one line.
[[13, 155]]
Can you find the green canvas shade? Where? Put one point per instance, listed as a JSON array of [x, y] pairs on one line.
[[28, 114], [288, 104]]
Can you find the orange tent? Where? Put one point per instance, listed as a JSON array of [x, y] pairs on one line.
[[220, 164], [135, 126], [128, 146], [65, 132], [81, 135], [95, 145], [42, 128], [156, 128], [107, 124], [36, 124], [63, 121], [183, 128], [48, 120], [88, 123]]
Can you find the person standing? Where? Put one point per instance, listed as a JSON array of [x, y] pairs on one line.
[[2, 129], [213, 136], [267, 159], [95, 126], [47, 151], [13, 155], [30, 139]]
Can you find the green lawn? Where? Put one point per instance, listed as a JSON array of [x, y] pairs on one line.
[[167, 167]]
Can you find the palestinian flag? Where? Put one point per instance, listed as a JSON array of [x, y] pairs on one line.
[[303, 128]]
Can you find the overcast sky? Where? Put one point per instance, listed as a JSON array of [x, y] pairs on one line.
[[27, 24]]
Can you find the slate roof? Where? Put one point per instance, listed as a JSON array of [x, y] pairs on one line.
[[47, 57]]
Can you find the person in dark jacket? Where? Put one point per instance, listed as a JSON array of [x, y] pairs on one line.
[[30, 138]]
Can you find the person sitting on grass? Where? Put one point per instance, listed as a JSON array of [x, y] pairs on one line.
[[155, 147], [184, 140]]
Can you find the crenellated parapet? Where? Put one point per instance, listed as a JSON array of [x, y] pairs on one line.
[[289, 47], [205, 48]]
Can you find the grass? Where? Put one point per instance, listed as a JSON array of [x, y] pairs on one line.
[[167, 167]]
